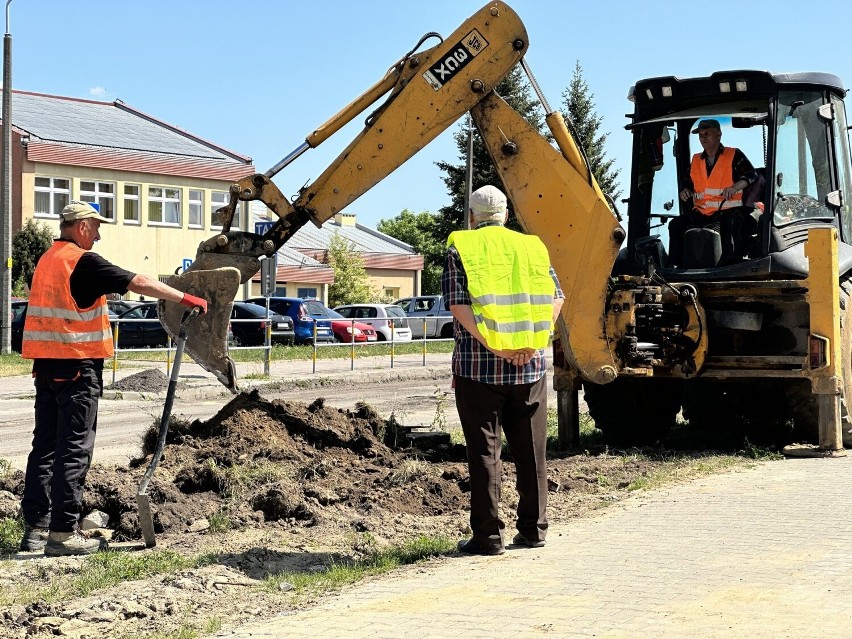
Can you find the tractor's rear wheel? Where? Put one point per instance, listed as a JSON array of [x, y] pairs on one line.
[[634, 411]]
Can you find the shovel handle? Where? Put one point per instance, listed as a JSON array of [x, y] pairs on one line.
[[170, 398]]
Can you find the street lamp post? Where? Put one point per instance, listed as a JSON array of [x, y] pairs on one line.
[[6, 197]]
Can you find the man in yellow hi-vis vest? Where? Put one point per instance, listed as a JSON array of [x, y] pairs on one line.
[[504, 297]]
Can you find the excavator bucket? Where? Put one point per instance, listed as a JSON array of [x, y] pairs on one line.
[[207, 336]]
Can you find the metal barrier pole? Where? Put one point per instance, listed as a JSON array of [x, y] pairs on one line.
[[267, 355], [314, 357], [352, 353], [393, 333], [114, 349], [424, 340], [168, 356]]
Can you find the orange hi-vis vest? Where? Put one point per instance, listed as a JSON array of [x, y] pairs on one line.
[[708, 188], [55, 328]]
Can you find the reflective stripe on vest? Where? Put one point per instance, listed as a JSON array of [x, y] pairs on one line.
[[708, 189], [508, 275], [54, 327]]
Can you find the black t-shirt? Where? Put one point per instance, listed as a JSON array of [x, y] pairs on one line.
[[92, 277]]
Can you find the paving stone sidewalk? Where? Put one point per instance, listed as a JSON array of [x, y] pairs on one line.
[[762, 552]]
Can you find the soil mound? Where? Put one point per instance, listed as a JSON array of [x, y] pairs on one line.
[[149, 381], [280, 462]]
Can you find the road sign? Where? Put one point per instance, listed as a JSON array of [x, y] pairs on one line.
[[186, 263], [262, 227]]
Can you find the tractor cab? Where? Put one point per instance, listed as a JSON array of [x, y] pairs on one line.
[[792, 130]]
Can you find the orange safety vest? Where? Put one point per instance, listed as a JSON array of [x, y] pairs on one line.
[[55, 327], [708, 188]]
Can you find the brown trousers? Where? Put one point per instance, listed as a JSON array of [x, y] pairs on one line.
[[520, 410]]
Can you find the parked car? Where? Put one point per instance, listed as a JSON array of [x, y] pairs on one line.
[[19, 314], [349, 330], [381, 317], [304, 313], [141, 334], [253, 333], [438, 318]]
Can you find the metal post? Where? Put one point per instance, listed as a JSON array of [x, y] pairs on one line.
[[424, 338], [352, 352], [6, 198], [468, 174]]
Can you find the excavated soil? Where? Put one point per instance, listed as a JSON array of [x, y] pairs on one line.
[[271, 486], [147, 381]]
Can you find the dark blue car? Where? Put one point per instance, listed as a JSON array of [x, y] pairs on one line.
[[305, 314]]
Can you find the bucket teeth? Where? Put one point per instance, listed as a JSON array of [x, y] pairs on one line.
[[207, 335]]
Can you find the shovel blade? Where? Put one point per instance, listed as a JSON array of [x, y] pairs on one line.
[[146, 520], [207, 335]]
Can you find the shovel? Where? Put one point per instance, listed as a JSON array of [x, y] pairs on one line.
[[146, 520]]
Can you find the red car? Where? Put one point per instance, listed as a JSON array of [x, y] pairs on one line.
[[343, 329]]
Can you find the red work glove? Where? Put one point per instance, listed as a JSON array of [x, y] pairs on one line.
[[194, 302]]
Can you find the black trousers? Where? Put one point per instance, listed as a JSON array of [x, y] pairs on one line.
[[66, 413], [520, 410], [734, 225]]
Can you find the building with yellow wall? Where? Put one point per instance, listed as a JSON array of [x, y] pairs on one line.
[[159, 184]]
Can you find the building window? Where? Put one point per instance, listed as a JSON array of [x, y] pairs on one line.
[[391, 293], [51, 196], [102, 193], [196, 208], [218, 199], [306, 293], [163, 205], [131, 203]]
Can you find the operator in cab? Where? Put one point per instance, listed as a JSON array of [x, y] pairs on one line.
[[67, 335], [717, 177], [504, 297]]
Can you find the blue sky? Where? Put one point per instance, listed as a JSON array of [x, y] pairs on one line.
[[258, 76]]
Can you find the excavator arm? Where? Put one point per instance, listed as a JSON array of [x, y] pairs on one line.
[[552, 189], [427, 92]]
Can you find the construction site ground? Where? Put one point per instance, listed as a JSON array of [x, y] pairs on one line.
[[760, 551]]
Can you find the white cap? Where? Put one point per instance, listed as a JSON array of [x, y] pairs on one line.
[[488, 202]]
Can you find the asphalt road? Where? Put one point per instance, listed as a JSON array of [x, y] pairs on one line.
[[121, 422]]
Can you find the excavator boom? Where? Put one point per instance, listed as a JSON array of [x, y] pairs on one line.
[[428, 91]]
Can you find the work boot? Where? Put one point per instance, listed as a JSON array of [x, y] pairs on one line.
[[34, 538], [520, 540], [61, 544]]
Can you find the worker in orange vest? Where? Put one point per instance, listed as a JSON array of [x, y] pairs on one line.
[[67, 335], [717, 177]]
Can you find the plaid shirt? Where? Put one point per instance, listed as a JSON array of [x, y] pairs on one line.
[[470, 358]]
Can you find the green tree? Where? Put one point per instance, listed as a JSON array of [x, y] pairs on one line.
[[351, 283], [518, 94], [579, 108], [28, 245], [419, 230]]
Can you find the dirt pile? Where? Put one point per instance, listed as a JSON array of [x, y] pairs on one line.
[[279, 462], [148, 381]]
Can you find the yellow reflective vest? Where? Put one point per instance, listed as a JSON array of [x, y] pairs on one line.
[[509, 282], [55, 328]]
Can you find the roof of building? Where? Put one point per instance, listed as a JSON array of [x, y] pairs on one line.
[[114, 125], [363, 238]]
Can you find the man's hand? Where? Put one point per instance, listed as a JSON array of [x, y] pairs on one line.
[[730, 191], [194, 302], [516, 357]]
